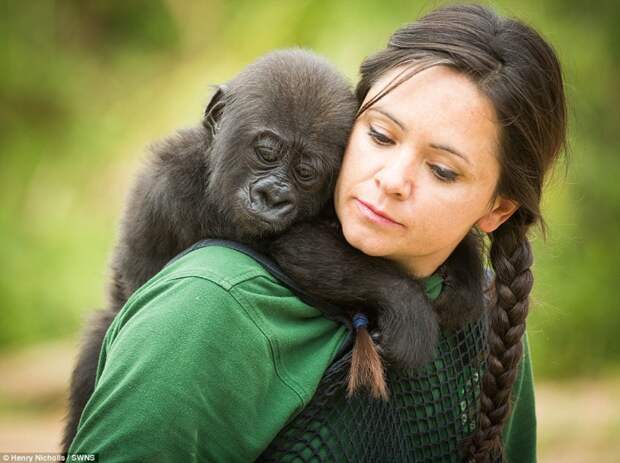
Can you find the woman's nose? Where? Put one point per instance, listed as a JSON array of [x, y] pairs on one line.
[[395, 179]]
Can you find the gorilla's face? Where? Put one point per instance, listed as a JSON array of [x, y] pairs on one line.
[[268, 179], [279, 132]]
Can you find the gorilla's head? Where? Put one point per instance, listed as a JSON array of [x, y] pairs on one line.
[[279, 132]]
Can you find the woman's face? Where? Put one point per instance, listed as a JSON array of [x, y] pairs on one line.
[[420, 170]]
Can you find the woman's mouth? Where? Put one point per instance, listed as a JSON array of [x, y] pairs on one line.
[[375, 215]]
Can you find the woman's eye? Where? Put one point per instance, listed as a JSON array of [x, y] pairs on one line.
[[445, 175], [379, 138]]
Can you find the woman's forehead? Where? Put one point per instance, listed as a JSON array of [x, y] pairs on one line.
[[441, 102], [438, 82]]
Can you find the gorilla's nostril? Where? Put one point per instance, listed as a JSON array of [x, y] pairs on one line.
[[263, 198], [272, 202], [270, 195]]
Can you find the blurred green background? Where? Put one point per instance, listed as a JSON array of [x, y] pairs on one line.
[[85, 86]]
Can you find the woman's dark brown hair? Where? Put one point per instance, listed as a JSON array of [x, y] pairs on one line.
[[520, 74]]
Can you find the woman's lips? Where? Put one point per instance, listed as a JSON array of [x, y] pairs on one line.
[[375, 215]]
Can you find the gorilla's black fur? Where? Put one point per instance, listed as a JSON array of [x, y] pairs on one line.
[[262, 164]]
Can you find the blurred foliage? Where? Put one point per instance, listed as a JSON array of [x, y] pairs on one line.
[[85, 86]]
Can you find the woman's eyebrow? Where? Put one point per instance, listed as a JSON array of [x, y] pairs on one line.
[[449, 149], [389, 116]]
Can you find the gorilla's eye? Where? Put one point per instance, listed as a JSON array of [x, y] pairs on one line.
[[267, 147], [305, 172], [266, 153]]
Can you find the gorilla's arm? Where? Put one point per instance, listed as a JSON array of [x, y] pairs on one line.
[[320, 261]]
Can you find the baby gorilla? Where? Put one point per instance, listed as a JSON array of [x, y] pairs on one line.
[[261, 170]]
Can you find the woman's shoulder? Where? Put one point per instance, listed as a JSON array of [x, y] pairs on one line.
[[214, 275], [519, 433], [215, 293]]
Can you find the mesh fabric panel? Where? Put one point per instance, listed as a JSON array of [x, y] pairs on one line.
[[430, 412]]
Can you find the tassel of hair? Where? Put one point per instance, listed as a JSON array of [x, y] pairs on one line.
[[366, 365]]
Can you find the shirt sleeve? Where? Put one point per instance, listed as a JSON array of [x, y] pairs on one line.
[[187, 376], [519, 436]]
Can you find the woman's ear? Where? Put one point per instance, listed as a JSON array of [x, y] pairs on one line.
[[500, 212]]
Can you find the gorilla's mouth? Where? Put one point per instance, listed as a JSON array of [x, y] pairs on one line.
[[274, 216], [270, 220]]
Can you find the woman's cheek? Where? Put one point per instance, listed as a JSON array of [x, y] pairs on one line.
[[454, 218], [362, 150]]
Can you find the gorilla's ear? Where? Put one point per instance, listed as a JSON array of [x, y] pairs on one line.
[[214, 110]]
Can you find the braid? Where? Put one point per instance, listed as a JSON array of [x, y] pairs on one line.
[[511, 257]]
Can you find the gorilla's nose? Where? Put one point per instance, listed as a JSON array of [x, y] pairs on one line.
[[272, 199]]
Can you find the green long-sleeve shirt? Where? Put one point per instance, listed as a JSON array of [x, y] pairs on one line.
[[212, 357]]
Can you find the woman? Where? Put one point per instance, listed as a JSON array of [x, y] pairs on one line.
[[214, 360]]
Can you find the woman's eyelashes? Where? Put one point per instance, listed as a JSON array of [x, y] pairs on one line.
[[378, 137], [441, 173]]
